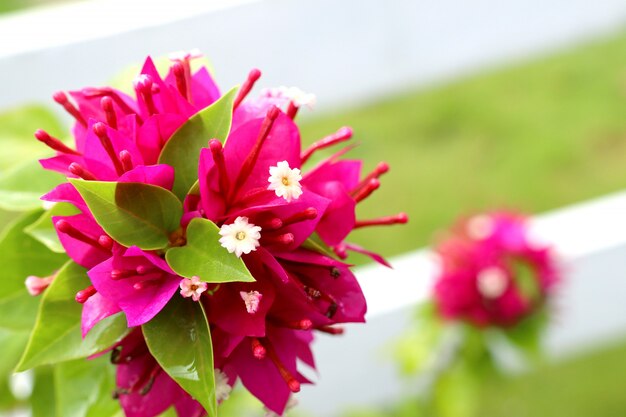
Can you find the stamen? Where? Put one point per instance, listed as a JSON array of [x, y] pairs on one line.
[[273, 224], [143, 86], [54, 143], [381, 221], [292, 383], [181, 83], [61, 98], [100, 129], [79, 171], [304, 324], [331, 330], [126, 160], [258, 351], [306, 214], [341, 251], [64, 227], [117, 274], [109, 92], [343, 134], [106, 242], [380, 169], [83, 295], [145, 283], [253, 76], [218, 156], [106, 103], [292, 110], [283, 239], [364, 192], [36, 285], [252, 157]]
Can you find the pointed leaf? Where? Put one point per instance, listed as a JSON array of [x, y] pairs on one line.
[[21, 256], [43, 230], [180, 340], [204, 256], [23, 185], [134, 214], [57, 336], [182, 151]]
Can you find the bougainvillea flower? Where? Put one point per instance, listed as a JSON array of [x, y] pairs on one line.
[[493, 272], [261, 211]]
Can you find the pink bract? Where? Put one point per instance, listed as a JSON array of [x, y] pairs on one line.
[[299, 288]]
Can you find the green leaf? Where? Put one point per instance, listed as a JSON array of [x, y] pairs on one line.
[[57, 335], [21, 256], [23, 185], [43, 230], [204, 256], [137, 214], [83, 388], [180, 340], [316, 244], [42, 399], [182, 151]]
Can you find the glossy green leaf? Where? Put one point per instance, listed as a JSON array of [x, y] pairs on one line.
[[56, 336], [43, 230], [133, 213], [182, 151], [180, 340], [203, 256], [22, 186], [21, 256], [83, 388]]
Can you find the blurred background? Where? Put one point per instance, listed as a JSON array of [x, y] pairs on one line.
[[475, 105]]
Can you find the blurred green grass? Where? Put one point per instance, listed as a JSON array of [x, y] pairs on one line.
[[591, 385], [532, 137]]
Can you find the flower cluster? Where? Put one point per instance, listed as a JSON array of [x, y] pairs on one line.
[[285, 227], [492, 272]]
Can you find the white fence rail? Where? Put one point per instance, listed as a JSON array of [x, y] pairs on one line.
[[345, 51]]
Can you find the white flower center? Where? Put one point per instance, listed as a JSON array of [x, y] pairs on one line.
[[285, 182], [222, 388], [192, 287], [252, 300], [492, 282], [480, 227], [240, 237]]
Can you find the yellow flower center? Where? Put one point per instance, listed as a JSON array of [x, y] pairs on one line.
[[285, 181], [240, 235]]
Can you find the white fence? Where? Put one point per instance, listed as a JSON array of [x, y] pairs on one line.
[[348, 51]]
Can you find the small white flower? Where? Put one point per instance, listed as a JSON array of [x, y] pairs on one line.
[[252, 300], [298, 97], [222, 388], [285, 182], [480, 227], [192, 288], [240, 237], [491, 282]]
